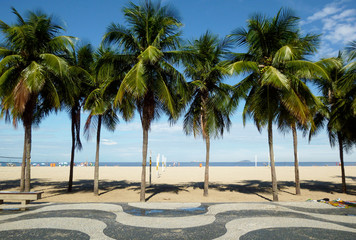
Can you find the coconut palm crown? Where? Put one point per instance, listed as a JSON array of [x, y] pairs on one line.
[[80, 61], [31, 72], [149, 44], [338, 115], [274, 67], [100, 100], [208, 107]]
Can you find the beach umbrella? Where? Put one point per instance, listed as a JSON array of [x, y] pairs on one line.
[[157, 161], [162, 164]]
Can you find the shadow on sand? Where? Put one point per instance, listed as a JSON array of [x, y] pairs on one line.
[[254, 187]]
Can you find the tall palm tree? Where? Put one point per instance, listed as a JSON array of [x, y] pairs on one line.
[[348, 83], [11, 116], [101, 112], [338, 115], [274, 50], [149, 44], [350, 51], [80, 63], [286, 120], [106, 71], [208, 111], [31, 72]]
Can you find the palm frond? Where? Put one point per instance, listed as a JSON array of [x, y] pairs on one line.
[[350, 50], [243, 67], [6, 52], [165, 95], [133, 83], [9, 60], [307, 70], [123, 37], [284, 54], [110, 120], [150, 55], [34, 77], [273, 77], [58, 65]]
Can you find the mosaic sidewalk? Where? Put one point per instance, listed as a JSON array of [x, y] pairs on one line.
[[301, 220]]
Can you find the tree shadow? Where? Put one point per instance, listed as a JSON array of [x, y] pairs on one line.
[[164, 188], [9, 184], [351, 178], [256, 186], [54, 188], [246, 187], [253, 187]]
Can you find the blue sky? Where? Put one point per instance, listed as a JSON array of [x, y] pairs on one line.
[[88, 21]]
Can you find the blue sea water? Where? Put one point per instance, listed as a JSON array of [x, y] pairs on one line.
[[188, 164]]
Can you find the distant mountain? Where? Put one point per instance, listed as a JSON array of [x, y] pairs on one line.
[[245, 161]]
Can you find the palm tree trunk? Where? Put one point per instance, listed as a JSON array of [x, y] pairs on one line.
[[296, 165], [70, 182], [206, 176], [144, 159], [271, 153], [341, 152], [23, 166], [96, 171], [27, 122], [273, 169], [28, 136]]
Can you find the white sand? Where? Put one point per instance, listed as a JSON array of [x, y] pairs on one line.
[[184, 184]]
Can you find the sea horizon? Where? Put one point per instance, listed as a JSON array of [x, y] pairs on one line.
[[244, 163]]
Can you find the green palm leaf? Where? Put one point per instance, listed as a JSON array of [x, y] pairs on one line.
[[243, 66], [164, 94], [10, 60], [58, 65], [273, 77], [308, 70], [34, 77], [150, 55], [134, 83], [284, 54]]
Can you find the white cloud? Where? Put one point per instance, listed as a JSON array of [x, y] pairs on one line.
[[131, 126], [344, 15], [165, 127], [343, 32], [325, 51], [328, 10], [336, 21], [108, 142], [329, 24]]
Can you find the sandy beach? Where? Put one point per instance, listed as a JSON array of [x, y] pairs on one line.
[[184, 184]]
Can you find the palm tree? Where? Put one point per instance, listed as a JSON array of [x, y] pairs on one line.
[[31, 72], [152, 80], [274, 55], [338, 115], [286, 120], [208, 111], [350, 51], [100, 101], [80, 63], [101, 112], [5, 113], [348, 83]]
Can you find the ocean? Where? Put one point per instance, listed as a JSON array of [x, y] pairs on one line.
[[183, 164]]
